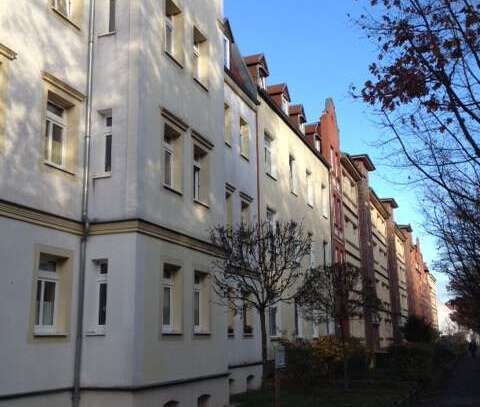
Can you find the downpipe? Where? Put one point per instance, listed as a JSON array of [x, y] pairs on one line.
[[85, 219]]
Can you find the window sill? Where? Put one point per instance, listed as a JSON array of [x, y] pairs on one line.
[[96, 332], [201, 84], [171, 189], [107, 34], [202, 333], [201, 203], [102, 176], [228, 144], [172, 333], [310, 205], [244, 157], [271, 176], [65, 18], [173, 59], [248, 336], [294, 194], [50, 334], [57, 167], [230, 336]]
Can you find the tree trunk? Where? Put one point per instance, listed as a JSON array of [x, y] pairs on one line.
[[263, 332], [346, 379]]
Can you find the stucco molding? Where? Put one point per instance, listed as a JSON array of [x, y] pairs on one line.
[[167, 114], [36, 217], [7, 52], [65, 87], [204, 141]]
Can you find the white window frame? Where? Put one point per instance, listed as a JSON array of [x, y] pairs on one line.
[[273, 333], [311, 255], [268, 156], [292, 174], [226, 52], [168, 283], [271, 217], [197, 171], [298, 320], [318, 145], [100, 279], [168, 149], [68, 7], [244, 139], [309, 185], [112, 16], [169, 34], [60, 121], [285, 105], [43, 277], [196, 60], [228, 208], [245, 212], [197, 290], [325, 206], [108, 133]]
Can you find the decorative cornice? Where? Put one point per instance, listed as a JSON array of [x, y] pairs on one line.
[[65, 87], [40, 218], [174, 118], [7, 52], [202, 140]]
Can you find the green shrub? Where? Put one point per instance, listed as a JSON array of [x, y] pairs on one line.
[[412, 362]]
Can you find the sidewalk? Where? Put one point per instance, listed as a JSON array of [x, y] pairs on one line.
[[462, 388]]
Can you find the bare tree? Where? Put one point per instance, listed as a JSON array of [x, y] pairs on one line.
[[425, 87], [260, 267], [337, 292]]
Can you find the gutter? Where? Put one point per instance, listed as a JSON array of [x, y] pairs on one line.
[[85, 220]]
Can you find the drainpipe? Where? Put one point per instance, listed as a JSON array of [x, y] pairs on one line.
[[85, 220]]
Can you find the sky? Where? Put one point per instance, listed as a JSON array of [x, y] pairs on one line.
[[314, 46]]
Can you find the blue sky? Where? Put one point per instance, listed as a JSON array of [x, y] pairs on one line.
[[314, 47]]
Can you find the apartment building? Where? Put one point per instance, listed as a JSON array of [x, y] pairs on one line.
[[293, 184], [241, 203]]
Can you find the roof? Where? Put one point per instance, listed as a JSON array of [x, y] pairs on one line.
[[296, 110], [378, 203], [348, 165], [277, 89], [366, 161], [257, 59], [312, 128], [407, 228], [390, 201]]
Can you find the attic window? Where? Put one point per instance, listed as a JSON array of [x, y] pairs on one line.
[[318, 145], [302, 125], [226, 52], [262, 82], [285, 105]]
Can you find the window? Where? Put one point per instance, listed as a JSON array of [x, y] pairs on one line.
[[228, 209], [111, 16], [285, 105], [170, 305], [302, 127], [63, 7], [47, 295], [247, 316], [108, 144], [227, 125], [325, 205], [245, 212], [297, 320], [231, 313], [55, 134], [200, 303], [171, 403], [312, 251], [172, 153], [318, 144], [203, 401], [292, 174], [272, 320], [226, 52], [101, 270], [271, 217], [173, 30], [244, 138], [308, 181], [200, 57], [262, 81], [268, 154], [200, 174]]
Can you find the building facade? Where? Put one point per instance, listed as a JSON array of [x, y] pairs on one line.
[[114, 170]]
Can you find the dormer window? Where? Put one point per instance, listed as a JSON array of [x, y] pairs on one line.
[[302, 126], [318, 145], [226, 52], [285, 105], [262, 82]]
